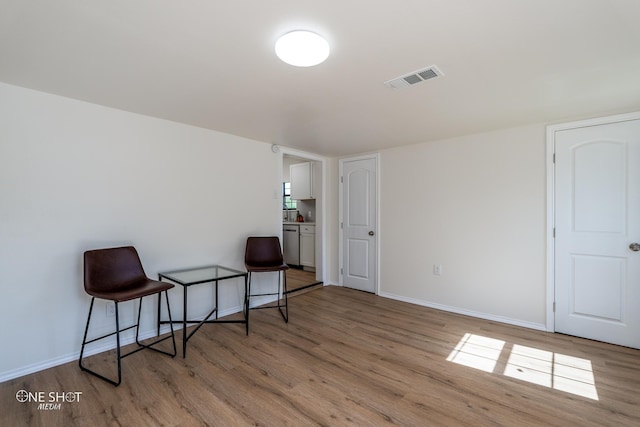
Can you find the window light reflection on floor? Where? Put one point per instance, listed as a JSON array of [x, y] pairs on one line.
[[477, 352], [554, 370]]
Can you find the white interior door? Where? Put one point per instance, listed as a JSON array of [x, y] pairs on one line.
[[597, 220], [359, 233]]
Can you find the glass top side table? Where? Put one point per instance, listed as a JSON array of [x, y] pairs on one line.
[[199, 275]]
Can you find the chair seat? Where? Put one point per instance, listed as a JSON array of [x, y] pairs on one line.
[[139, 288], [266, 267]]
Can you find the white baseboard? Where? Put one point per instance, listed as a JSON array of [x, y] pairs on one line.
[[126, 339], [480, 315]]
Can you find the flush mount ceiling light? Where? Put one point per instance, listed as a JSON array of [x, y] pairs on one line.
[[302, 48]]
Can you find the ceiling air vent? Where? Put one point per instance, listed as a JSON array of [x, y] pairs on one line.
[[414, 77]]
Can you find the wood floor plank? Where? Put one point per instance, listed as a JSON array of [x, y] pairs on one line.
[[298, 278], [350, 358]]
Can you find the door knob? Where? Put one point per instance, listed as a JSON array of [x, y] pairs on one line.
[[371, 233], [635, 247]]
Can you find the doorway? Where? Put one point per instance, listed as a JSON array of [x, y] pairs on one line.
[[595, 198], [303, 219]]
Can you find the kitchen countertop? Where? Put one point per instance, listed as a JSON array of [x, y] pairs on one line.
[[298, 223]]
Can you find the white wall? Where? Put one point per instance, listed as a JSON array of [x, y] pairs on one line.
[[332, 233], [475, 205], [75, 176]]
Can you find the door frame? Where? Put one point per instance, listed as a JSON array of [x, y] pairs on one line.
[[376, 157], [321, 224], [551, 209]]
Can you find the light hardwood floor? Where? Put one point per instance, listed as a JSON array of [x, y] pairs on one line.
[[351, 358], [298, 278]]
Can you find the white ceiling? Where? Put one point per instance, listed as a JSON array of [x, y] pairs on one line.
[[211, 63]]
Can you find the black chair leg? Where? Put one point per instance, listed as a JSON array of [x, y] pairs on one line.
[[282, 276], [248, 292], [119, 354], [150, 345], [84, 339], [282, 283], [118, 347], [248, 301]]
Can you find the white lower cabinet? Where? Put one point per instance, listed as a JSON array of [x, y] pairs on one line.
[[308, 245]]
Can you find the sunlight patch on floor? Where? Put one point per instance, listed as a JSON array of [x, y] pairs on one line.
[[554, 370], [477, 352]]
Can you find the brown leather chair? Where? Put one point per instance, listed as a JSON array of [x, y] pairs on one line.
[[116, 274], [264, 254]]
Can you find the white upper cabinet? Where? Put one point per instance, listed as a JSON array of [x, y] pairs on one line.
[[305, 180]]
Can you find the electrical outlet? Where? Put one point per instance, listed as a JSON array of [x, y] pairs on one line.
[[111, 309], [437, 269]]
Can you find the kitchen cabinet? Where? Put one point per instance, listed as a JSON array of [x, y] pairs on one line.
[[308, 246], [305, 180]]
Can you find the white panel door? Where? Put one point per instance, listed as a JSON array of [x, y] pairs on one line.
[[359, 224], [597, 270]]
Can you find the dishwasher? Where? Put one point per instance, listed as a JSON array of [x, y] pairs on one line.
[[291, 244]]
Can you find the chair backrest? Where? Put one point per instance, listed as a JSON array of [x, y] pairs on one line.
[[263, 252], [112, 269]]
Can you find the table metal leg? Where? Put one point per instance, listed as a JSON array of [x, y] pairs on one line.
[[246, 303], [184, 322], [216, 306], [159, 300], [207, 319]]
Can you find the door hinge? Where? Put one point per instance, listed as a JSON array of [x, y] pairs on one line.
[[341, 225], [554, 157], [341, 271], [554, 306], [554, 232], [341, 180]]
